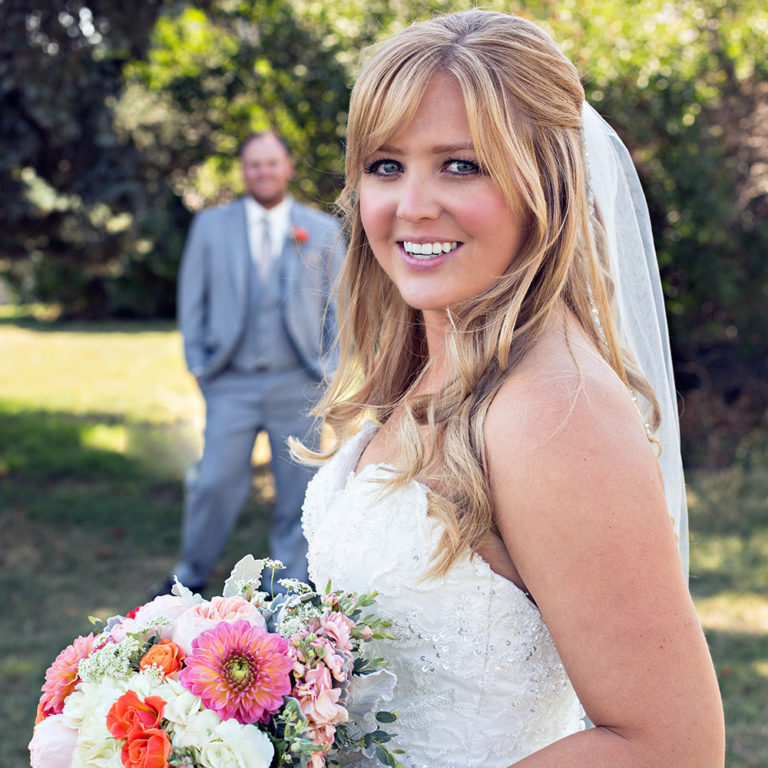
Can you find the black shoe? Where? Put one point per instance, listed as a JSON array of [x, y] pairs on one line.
[[165, 587]]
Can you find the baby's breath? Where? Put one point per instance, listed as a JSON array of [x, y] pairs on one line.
[[154, 672], [297, 617], [294, 585], [113, 660], [249, 591]]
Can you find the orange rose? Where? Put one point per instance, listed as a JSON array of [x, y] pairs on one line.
[[301, 235], [165, 655], [147, 749], [130, 715]]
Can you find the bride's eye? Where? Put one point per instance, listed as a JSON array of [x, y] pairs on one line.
[[383, 167], [462, 167]]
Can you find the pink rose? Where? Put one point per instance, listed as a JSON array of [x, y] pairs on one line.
[[166, 606], [53, 744], [207, 615]]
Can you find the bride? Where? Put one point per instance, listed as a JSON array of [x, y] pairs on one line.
[[495, 475]]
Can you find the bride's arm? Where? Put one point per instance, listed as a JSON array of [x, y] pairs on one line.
[[580, 505]]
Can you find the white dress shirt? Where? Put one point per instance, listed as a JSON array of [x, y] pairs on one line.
[[279, 224]]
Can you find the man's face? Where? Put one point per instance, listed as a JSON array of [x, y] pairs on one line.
[[267, 169]]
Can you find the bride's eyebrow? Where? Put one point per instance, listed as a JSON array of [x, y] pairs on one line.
[[438, 149], [446, 149]]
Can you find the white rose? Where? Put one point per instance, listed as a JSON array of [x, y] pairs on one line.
[[241, 746], [181, 707], [91, 701], [94, 750], [197, 730]]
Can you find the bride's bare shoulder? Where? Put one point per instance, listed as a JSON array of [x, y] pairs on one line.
[[564, 400]]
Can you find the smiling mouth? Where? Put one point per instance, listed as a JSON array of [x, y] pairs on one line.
[[425, 251]]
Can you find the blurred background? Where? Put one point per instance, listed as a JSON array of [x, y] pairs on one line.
[[119, 120]]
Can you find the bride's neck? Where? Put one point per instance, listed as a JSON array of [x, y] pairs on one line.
[[439, 369]]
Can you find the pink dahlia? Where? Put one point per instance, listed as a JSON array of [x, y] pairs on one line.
[[239, 670], [61, 677]]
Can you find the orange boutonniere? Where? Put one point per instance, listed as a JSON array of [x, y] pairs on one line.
[[300, 235]]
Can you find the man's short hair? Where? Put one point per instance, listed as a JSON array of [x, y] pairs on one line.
[[260, 134]]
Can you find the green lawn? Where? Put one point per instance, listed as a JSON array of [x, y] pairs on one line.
[[98, 424]]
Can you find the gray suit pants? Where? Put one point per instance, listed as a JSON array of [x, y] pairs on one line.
[[238, 407]]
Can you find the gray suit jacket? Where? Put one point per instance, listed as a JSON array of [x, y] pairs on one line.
[[213, 287]]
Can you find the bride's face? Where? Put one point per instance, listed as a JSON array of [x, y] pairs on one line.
[[437, 224]]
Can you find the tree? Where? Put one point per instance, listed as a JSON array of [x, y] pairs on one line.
[[69, 187]]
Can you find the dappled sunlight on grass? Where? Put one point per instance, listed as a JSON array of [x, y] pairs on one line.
[[116, 371], [734, 611], [728, 513], [761, 668], [106, 437]]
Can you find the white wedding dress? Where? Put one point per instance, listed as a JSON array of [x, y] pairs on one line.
[[480, 684]]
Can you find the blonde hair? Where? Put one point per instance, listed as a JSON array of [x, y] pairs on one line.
[[523, 100]]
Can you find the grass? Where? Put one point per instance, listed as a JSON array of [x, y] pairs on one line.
[[729, 567], [99, 423]]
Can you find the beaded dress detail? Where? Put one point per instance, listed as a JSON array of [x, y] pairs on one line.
[[480, 683]]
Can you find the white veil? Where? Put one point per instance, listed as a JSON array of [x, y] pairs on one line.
[[641, 319]]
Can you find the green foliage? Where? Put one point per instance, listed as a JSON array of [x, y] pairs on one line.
[[223, 74], [70, 195], [119, 120], [686, 86]]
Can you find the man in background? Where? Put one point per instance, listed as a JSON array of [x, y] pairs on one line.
[[254, 288]]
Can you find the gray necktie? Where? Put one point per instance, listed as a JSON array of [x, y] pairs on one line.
[[265, 250]]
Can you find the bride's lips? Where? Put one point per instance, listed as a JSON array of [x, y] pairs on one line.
[[424, 261]]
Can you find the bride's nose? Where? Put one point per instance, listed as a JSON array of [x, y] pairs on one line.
[[417, 199]]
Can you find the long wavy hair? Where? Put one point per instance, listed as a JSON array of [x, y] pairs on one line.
[[523, 99]]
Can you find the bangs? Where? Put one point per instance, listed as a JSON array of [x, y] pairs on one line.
[[385, 100]]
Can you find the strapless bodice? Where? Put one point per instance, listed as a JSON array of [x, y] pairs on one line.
[[480, 683]]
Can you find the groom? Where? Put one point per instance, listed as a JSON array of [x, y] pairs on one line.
[[254, 287]]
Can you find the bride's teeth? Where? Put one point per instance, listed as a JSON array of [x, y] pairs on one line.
[[428, 249]]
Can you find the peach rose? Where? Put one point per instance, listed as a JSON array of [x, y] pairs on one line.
[[207, 615], [53, 744], [318, 701], [130, 715], [165, 655], [339, 627], [147, 749]]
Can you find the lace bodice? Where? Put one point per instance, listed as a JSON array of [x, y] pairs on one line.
[[480, 684]]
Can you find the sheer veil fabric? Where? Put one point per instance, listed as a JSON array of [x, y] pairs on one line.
[[639, 301]]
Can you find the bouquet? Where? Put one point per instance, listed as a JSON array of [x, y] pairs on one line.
[[245, 680]]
